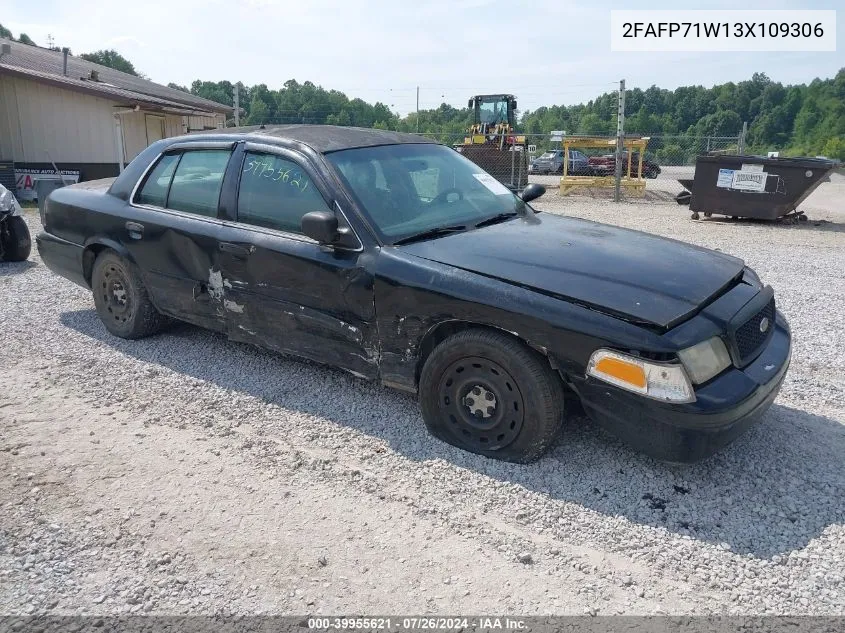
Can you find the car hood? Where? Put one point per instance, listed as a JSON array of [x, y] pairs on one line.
[[637, 276]]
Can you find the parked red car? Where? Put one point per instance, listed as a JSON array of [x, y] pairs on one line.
[[606, 165]]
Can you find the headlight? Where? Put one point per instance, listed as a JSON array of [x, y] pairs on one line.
[[705, 360], [661, 381]]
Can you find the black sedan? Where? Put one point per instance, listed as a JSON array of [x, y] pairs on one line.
[[398, 260]]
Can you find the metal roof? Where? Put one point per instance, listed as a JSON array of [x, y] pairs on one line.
[[46, 65], [321, 138]]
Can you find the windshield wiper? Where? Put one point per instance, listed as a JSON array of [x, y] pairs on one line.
[[430, 233], [501, 217]]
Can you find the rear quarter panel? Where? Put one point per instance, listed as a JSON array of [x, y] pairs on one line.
[[76, 212]]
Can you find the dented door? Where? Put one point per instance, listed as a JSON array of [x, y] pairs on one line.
[[172, 232], [296, 297], [281, 289]]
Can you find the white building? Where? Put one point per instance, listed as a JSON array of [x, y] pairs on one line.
[[88, 120]]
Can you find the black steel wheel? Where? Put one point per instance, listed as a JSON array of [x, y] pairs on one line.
[[15, 241], [121, 299], [488, 393], [482, 402]]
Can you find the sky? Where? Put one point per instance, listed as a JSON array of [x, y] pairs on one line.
[[543, 51]]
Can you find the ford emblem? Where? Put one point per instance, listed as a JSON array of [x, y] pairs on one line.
[[764, 324]]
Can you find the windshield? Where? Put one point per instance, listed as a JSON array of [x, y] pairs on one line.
[[413, 188], [493, 111], [548, 155]]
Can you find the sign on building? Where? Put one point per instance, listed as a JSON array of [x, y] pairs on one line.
[[25, 180]]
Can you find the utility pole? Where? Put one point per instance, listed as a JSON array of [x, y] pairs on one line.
[[418, 109], [237, 105], [741, 144], [620, 141]]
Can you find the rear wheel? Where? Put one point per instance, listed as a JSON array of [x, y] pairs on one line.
[[487, 393], [15, 242], [122, 302]]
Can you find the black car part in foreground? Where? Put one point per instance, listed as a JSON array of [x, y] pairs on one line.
[[15, 242], [398, 260]]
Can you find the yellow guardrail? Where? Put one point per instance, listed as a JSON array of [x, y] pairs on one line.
[[636, 183]]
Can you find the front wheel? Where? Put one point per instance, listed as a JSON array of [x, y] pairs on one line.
[[15, 242], [487, 393]]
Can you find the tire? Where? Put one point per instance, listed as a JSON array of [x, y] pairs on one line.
[[474, 368], [651, 173], [15, 242], [122, 302]]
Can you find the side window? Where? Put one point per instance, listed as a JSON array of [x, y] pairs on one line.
[[197, 181], [275, 193], [155, 188]]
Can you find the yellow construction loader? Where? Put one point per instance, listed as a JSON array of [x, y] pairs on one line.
[[491, 142]]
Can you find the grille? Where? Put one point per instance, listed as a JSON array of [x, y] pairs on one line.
[[748, 336]]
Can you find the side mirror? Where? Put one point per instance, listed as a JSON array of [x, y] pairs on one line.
[[320, 226], [469, 104], [531, 192]]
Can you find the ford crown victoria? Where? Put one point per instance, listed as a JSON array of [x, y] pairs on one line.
[[394, 258]]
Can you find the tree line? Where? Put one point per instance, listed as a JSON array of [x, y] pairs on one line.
[[802, 119]]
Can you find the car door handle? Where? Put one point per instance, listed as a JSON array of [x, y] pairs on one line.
[[136, 231], [237, 250]]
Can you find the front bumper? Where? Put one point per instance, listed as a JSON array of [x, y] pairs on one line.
[[724, 408]]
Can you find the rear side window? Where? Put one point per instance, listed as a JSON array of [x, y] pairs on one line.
[[196, 184], [189, 181], [275, 193], [154, 191]]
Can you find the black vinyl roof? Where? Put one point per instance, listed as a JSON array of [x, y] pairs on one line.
[[322, 138]]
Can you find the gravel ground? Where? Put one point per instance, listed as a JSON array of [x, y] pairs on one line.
[[186, 474]]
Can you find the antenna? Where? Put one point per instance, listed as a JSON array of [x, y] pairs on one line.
[[50, 40]]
